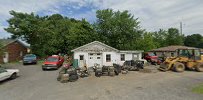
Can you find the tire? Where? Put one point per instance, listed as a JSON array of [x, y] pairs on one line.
[[73, 78], [43, 69], [72, 71], [116, 72], [199, 67], [13, 76], [97, 74], [111, 73], [179, 67]]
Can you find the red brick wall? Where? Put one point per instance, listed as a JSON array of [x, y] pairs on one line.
[[14, 50], [1, 59]]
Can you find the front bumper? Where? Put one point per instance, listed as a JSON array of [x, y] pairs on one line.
[[29, 62], [49, 67]]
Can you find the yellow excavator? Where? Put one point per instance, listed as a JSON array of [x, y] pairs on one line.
[[186, 58]]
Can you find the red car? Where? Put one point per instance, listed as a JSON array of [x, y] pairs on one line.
[[53, 62], [152, 58]]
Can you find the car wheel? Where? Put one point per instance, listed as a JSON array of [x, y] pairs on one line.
[[43, 69], [13, 76]]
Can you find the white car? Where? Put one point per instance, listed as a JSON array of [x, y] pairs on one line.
[[8, 73]]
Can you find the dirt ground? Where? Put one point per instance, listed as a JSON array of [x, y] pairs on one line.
[[35, 84]]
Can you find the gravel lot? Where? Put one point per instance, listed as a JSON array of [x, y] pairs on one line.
[[35, 84]]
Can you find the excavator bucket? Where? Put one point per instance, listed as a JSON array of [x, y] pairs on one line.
[[164, 67]]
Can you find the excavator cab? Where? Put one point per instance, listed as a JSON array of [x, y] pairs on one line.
[[190, 58], [193, 54]]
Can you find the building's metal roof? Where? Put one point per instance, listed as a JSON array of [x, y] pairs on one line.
[[171, 48]]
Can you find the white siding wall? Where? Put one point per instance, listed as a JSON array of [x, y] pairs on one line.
[[114, 58], [140, 56], [127, 57], [76, 56]]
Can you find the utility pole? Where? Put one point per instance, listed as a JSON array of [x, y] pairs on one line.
[[181, 28]]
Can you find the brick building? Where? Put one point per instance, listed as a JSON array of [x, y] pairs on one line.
[[13, 50]]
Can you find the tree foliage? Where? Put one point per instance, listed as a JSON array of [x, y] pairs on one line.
[[55, 33], [118, 29], [194, 40], [174, 37], [147, 42], [50, 34]]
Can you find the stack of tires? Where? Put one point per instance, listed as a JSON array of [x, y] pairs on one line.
[[67, 75], [111, 71], [64, 78], [73, 76], [117, 69], [98, 72], [139, 64]]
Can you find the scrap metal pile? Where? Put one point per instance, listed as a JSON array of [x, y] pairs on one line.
[[71, 74]]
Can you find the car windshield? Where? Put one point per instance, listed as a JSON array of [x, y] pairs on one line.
[[151, 54], [52, 59], [30, 56]]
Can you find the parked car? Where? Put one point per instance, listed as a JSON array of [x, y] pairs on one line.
[[53, 62], [152, 58], [8, 73], [30, 59]]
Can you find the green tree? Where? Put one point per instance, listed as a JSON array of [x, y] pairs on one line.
[[160, 38], [147, 42], [118, 29], [49, 35], [173, 37], [194, 40]]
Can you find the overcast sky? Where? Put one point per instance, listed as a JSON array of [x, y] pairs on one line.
[[153, 14]]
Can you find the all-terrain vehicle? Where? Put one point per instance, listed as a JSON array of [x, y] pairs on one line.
[[186, 58], [131, 65], [107, 70]]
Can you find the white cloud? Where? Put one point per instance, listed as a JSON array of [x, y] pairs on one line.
[[155, 14]]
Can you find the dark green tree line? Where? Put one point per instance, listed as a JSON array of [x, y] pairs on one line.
[[194, 40]]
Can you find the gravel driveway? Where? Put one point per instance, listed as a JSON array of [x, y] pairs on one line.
[[35, 84]]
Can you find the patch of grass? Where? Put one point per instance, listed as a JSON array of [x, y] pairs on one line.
[[198, 89]]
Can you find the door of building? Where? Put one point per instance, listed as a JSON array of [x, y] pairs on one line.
[[5, 57], [135, 56], [94, 58]]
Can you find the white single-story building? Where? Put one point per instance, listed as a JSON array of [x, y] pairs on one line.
[[102, 54]]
